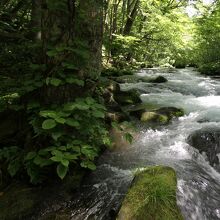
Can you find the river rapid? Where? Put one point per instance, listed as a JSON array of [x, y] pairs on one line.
[[198, 193]]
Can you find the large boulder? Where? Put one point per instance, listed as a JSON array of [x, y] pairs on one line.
[[158, 79], [152, 196], [154, 117], [127, 97], [148, 113], [207, 140], [22, 201]]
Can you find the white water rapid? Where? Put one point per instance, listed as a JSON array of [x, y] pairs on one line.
[[198, 191]]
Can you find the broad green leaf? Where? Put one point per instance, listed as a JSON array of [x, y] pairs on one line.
[[51, 53], [48, 114], [60, 120], [56, 158], [71, 156], [62, 171], [14, 167], [65, 162], [72, 122], [49, 124], [69, 106], [38, 160], [98, 114], [56, 135], [31, 155], [89, 152], [88, 164], [72, 80], [55, 81]]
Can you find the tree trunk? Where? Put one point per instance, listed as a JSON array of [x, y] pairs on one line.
[[131, 18], [75, 31]]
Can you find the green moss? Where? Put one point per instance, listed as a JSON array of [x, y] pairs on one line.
[[18, 201], [152, 196], [154, 117]]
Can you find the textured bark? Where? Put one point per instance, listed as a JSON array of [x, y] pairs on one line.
[[80, 27]]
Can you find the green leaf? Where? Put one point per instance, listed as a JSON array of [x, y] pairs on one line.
[[88, 164], [70, 156], [72, 122], [49, 124], [70, 66], [98, 114], [14, 167], [51, 53], [38, 160], [72, 80], [48, 114], [55, 81], [56, 158], [62, 171], [89, 152], [30, 155], [69, 106], [56, 135], [128, 137], [60, 120], [65, 162]]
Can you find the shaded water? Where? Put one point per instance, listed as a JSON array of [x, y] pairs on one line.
[[198, 183]]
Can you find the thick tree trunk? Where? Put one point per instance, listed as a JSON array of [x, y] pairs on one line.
[[76, 29]]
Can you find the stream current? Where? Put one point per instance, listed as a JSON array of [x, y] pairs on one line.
[[198, 193]]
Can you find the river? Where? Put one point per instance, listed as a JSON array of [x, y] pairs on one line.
[[198, 192]]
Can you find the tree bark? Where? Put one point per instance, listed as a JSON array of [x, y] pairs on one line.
[[79, 28]]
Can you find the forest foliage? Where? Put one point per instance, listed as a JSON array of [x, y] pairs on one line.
[[51, 57]]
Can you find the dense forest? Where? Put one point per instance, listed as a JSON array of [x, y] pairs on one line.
[[59, 60]]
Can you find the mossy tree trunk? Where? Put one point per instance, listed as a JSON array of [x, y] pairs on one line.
[[71, 34]]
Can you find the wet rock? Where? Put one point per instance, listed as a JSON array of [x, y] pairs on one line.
[[148, 113], [152, 195], [207, 140], [127, 97], [21, 201], [18, 201], [159, 79], [154, 117], [170, 112]]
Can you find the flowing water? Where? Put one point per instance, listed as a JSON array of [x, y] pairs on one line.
[[198, 191]]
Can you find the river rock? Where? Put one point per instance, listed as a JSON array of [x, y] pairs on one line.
[[154, 117], [170, 112], [158, 79], [152, 195], [127, 97], [207, 140], [148, 113]]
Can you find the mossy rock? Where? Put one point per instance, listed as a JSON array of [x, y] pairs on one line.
[[127, 97], [18, 202], [170, 112], [154, 117], [152, 196], [158, 79], [161, 115]]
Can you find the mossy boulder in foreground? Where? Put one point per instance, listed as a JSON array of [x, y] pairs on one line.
[[152, 196], [161, 115]]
